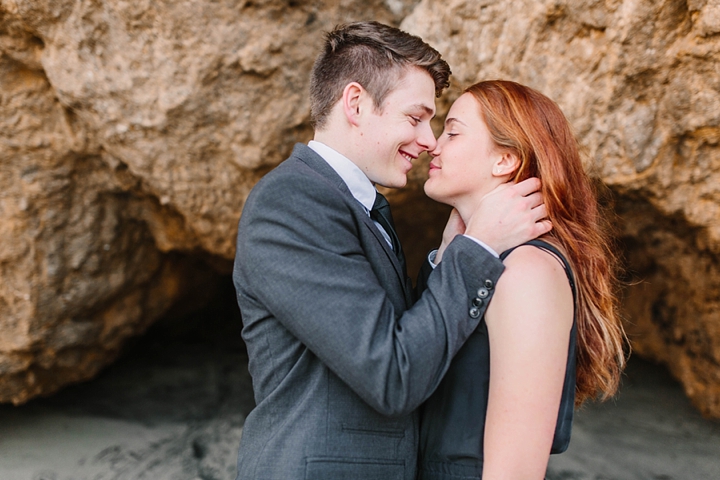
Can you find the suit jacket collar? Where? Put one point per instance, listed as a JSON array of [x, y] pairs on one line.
[[358, 183], [311, 158]]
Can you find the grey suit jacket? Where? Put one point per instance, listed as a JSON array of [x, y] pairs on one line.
[[340, 357]]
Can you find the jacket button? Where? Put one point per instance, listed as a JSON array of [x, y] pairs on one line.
[[477, 302], [483, 292], [489, 284], [474, 312]]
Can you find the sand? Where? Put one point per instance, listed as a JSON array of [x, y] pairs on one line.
[[172, 408]]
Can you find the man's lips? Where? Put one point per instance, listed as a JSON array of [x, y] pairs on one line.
[[407, 156]]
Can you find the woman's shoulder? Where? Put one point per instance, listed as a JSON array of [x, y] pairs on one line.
[[535, 263], [533, 286]]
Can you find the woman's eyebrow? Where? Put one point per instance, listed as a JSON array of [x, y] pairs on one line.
[[450, 120]]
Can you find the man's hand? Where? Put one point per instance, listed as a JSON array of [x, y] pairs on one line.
[[510, 215], [454, 227]]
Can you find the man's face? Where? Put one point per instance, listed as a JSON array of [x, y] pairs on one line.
[[394, 135]]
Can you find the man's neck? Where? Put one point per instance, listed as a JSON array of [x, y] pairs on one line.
[[338, 141], [358, 183]]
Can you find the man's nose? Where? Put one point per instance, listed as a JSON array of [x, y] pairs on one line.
[[427, 138]]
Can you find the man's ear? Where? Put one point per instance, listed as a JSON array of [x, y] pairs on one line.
[[351, 100], [506, 164]]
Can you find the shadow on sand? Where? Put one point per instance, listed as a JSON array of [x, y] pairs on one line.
[[173, 407]]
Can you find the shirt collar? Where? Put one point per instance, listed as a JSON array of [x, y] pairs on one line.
[[360, 186]]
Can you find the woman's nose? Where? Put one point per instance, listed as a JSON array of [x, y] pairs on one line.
[[435, 151]]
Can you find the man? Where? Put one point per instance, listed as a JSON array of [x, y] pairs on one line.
[[339, 352]]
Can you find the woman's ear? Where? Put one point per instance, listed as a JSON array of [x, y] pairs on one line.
[[506, 165], [351, 100]]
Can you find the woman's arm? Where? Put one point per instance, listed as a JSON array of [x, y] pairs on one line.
[[529, 323]]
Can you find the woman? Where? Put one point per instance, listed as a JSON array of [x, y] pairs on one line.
[[551, 337]]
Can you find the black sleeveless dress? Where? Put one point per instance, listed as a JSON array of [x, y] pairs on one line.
[[452, 421]]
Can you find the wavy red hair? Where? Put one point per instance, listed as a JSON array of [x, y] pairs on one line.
[[530, 125]]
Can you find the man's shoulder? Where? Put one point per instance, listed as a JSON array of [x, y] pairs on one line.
[[298, 181], [303, 170]]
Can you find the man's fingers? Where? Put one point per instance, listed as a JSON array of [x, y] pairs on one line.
[[542, 227], [539, 212], [526, 187], [535, 200], [498, 189]]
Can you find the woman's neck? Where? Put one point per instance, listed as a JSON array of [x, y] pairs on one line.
[[466, 209], [468, 204]]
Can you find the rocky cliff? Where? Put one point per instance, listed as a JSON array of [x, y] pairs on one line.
[[131, 132], [639, 81]]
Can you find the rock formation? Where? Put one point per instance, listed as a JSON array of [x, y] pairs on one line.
[[131, 133], [639, 81]]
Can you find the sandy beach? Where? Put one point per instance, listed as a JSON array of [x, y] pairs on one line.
[[173, 406]]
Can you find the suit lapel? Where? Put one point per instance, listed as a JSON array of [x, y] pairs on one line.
[[308, 156], [392, 258]]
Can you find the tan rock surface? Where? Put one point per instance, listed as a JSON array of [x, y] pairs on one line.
[[640, 82], [133, 131], [130, 131], [80, 272]]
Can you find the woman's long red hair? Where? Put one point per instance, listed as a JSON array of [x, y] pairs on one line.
[[530, 125]]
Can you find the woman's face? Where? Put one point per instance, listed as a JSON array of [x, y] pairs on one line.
[[461, 169]]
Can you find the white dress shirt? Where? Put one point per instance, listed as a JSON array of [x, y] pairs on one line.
[[359, 184], [362, 188]]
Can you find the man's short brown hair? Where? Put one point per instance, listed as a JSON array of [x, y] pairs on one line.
[[373, 55]]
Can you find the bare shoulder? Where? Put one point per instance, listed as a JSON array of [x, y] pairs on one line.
[[528, 265], [532, 291]]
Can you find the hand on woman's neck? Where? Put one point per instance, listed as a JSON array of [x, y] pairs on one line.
[[467, 205]]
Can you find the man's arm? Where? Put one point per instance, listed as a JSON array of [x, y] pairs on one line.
[[300, 245]]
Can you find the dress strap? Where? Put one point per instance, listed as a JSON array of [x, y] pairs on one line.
[[542, 244]]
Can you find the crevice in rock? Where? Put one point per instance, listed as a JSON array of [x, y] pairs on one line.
[[670, 302]]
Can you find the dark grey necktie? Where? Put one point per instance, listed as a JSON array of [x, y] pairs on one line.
[[381, 214]]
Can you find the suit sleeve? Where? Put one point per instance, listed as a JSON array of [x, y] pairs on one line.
[[299, 246], [422, 279]]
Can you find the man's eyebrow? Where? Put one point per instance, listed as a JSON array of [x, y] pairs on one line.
[[425, 108]]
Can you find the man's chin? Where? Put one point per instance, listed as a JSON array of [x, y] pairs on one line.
[[394, 183]]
